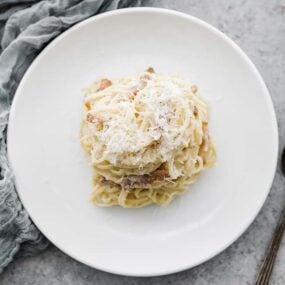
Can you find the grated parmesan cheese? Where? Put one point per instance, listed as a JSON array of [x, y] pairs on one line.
[[139, 112]]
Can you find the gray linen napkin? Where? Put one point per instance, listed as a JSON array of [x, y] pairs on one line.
[[26, 27]]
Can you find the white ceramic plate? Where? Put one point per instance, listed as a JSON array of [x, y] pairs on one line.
[[54, 179]]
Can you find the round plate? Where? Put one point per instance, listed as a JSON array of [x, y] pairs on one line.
[[52, 173]]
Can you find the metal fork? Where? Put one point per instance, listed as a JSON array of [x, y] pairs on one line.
[[268, 263]]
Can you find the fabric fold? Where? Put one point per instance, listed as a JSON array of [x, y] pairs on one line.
[[26, 27]]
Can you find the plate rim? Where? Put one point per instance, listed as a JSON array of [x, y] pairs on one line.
[[251, 66]]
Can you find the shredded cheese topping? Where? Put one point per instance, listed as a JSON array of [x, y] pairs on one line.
[[134, 125]]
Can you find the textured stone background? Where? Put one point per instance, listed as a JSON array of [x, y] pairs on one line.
[[258, 27]]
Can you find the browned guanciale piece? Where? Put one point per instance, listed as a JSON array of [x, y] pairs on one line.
[[133, 95], [143, 82], [95, 120], [144, 181], [104, 83], [105, 181], [150, 70], [90, 118], [195, 111], [88, 105], [194, 89], [154, 143]]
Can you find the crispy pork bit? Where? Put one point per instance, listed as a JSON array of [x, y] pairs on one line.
[[195, 111], [90, 118], [143, 82], [194, 89], [154, 143], [104, 83], [105, 181], [144, 181], [95, 120], [150, 70], [88, 105], [133, 95]]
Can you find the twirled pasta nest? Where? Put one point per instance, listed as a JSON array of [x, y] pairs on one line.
[[147, 138]]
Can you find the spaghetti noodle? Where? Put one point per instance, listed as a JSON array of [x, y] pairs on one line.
[[147, 138]]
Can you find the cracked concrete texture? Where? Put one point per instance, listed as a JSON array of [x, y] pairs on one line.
[[258, 27]]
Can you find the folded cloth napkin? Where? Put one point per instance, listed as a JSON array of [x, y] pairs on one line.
[[26, 27]]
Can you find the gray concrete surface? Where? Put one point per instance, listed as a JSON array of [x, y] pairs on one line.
[[258, 26]]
